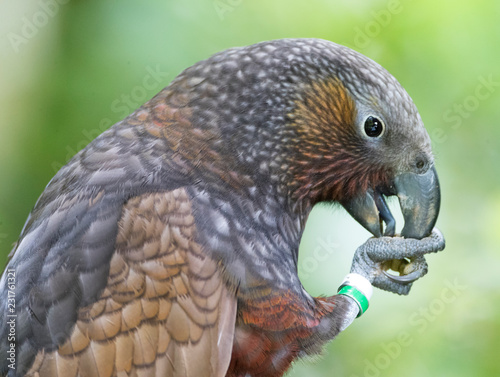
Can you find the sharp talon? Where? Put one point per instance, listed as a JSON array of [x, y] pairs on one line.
[[404, 279]]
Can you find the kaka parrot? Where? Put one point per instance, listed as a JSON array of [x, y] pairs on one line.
[[169, 245]]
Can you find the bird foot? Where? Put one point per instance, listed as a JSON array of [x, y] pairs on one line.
[[377, 256]]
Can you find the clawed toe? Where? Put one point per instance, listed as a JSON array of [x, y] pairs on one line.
[[405, 256], [409, 271]]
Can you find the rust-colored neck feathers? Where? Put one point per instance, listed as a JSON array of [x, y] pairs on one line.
[[330, 160], [195, 150]]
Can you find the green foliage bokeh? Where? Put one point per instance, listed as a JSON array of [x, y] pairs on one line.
[[70, 69]]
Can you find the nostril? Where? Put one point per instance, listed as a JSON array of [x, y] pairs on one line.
[[420, 164]]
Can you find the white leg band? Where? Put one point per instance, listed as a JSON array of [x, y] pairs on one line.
[[360, 283]]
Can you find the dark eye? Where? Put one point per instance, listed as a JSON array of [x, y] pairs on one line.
[[373, 126]]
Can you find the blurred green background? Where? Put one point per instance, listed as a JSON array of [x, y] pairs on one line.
[[70, 69]]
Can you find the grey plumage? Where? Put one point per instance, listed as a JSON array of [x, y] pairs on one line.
[[230, 133]]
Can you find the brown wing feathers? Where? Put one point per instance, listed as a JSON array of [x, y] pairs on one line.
[[165, 310]]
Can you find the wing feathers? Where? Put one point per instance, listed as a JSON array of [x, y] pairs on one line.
[[165, 310]]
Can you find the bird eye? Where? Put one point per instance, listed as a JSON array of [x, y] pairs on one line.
[[373, 126]]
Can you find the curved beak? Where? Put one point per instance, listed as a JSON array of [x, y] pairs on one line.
[[419, 198]]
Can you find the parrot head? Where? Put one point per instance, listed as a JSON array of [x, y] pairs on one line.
[[314, 120], [360, 139]]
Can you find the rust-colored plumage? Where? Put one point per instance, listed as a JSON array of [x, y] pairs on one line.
[[169, 245], [329, 151]]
